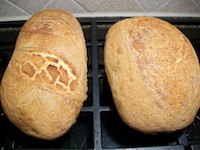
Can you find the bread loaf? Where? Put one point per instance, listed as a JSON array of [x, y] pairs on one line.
[[154, 75], [45, 83]]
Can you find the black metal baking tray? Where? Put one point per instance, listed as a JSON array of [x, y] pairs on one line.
[[98, 125]]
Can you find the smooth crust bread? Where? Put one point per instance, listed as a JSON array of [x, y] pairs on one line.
[[45, 83], [154, 75]]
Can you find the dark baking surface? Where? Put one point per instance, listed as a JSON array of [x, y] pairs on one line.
[[98, 125]]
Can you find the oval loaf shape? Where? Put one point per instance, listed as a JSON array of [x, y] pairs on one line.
[[154, 75], [45, 83]]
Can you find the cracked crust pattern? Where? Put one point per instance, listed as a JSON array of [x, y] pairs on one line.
[[49, 68]]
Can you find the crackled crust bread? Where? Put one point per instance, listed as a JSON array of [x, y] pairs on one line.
[[45, 83], [154, 75]]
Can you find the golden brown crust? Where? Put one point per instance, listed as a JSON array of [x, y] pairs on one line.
[[45, 83], [154, 74]]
